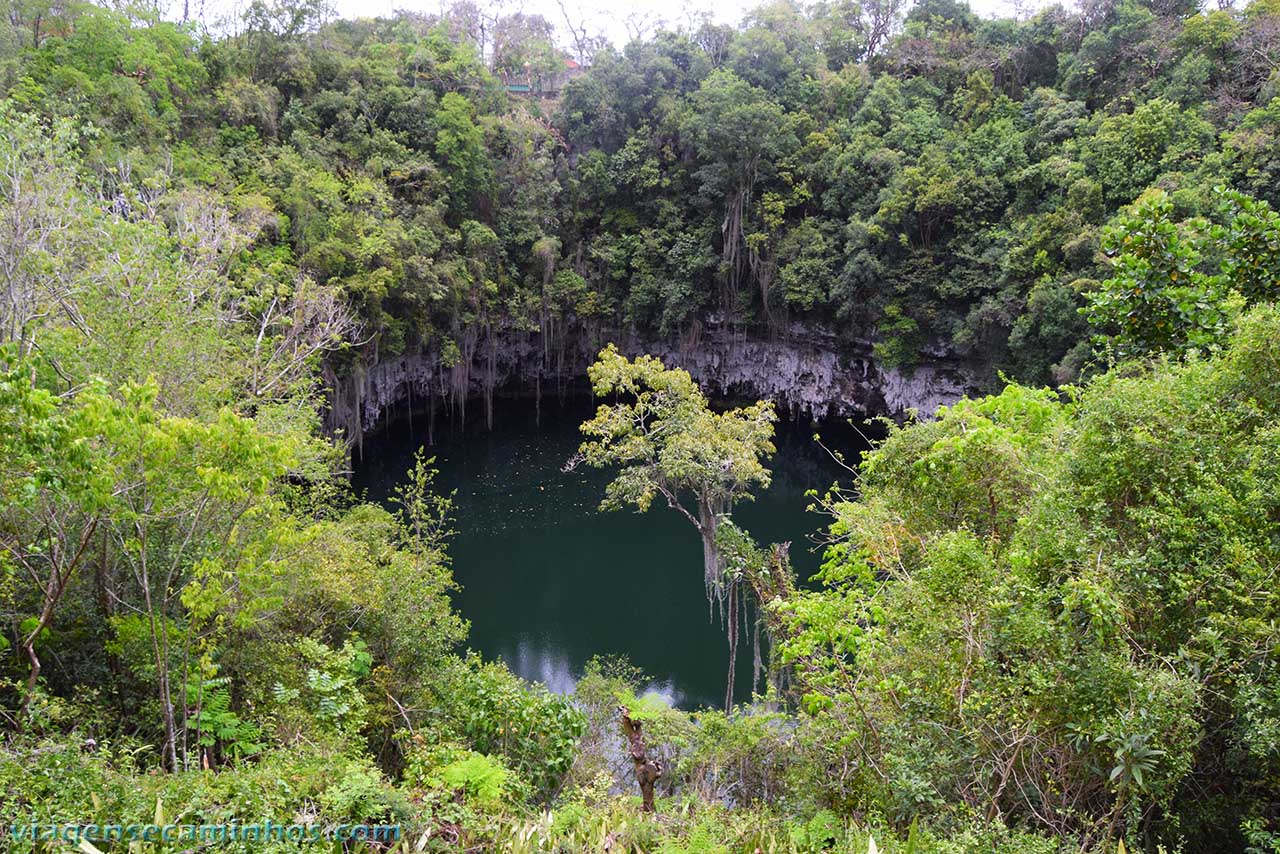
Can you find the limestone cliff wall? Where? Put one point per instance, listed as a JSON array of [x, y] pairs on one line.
[[802, 369]]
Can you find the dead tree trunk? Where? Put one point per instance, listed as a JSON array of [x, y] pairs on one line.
[[648, 771]]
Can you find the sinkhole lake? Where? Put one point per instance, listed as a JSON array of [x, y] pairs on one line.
[[548, 580]]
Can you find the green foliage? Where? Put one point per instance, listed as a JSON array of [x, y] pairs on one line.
[[1131, 150], [1046, 621], [691, 828], [53, 781], [495, 713], [478, 776], [460, 147], [1249, 246], [361, 793], [330, 690], [216, 724], [1026, 566], [668, 442], [1177, 284], [839, 165], [649, 706]]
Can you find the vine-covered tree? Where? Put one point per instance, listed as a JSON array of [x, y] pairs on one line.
[[668, 442]]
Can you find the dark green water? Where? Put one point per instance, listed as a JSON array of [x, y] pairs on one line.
[[548, 581]]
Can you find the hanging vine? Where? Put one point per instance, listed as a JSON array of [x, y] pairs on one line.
[[768, 574]]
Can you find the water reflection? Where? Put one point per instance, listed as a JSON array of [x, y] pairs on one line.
[[539, 661], [548, 581]]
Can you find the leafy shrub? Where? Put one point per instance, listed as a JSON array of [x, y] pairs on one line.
[[482, 778], [497, 713]]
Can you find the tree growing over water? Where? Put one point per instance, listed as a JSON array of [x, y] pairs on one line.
[[667, 442]]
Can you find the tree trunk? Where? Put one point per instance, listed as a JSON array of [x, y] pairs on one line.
[[772, 582], [757, 663], [29, 647], [103, 594], [648, 771], [160, 655], [708, 522], [732, 627], [59, 576]]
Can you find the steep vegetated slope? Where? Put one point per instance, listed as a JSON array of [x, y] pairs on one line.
[[926, 189], [1047, 618]]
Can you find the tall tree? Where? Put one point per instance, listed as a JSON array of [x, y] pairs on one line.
[[51, 475], [668, 442]]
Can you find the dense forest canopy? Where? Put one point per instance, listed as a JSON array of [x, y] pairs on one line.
[[1046, 618], [919, 176]]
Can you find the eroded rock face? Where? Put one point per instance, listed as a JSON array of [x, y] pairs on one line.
[[806, 373], [804, 370]]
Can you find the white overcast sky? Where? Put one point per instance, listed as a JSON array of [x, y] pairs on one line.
[[615, 20]]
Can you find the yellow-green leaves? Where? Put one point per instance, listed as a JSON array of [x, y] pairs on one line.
[[667, 439]]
